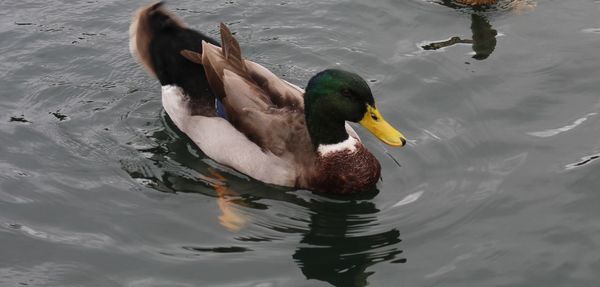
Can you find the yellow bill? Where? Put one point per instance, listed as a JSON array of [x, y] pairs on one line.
[[374, 122]]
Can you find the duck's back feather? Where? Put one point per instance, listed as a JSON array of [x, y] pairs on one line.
[[268, 110]]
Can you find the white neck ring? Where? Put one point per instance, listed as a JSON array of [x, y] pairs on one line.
[[347, 145]]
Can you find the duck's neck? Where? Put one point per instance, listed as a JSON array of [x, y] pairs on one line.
[[325, 129]]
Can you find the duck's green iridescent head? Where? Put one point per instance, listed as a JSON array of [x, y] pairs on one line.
[[334, 97]]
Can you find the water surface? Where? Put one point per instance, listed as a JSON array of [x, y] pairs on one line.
[[498, 187]]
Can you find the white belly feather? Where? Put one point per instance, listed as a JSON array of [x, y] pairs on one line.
[[220, 141]]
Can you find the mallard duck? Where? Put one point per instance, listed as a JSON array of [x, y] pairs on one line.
[[243, 116]]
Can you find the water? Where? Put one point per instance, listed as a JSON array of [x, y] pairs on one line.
[[498, 187]]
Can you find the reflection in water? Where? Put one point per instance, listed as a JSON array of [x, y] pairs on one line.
[[336, 246], [483, 41], [484, 37], [330, 252], [553, 132]]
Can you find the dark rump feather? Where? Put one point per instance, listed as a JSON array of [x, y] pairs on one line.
[[161, 37]]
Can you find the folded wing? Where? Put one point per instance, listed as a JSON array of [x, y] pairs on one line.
[[267, 109]]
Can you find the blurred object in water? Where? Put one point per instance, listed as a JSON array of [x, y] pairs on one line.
[[483, 42]]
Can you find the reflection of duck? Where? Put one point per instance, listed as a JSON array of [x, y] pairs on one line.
[[484, 37], [329, 252], [514, 5], [483, 40], [261, 125]]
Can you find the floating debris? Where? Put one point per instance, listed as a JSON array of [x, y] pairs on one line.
[[446, 43], [59, 116], [20, 119]]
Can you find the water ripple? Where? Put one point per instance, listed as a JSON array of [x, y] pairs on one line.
[[553, 132], [54, 235], [98, 188], [584, 160]]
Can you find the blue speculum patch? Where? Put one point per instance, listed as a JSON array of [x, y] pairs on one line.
[[221, 109]]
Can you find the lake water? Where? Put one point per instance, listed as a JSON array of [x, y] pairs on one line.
[[499, 185]]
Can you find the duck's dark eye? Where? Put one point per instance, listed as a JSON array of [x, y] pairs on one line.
[[346, 93], [374, 117]]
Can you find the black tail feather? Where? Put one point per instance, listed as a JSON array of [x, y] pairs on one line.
[[166, 37]]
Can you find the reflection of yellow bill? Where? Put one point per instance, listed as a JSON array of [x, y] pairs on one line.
[[230, 217], [376, 124]]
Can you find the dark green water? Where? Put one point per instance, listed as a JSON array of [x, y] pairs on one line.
[[498, 187]]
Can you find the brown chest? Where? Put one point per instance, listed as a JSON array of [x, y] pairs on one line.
[[345, 172]]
